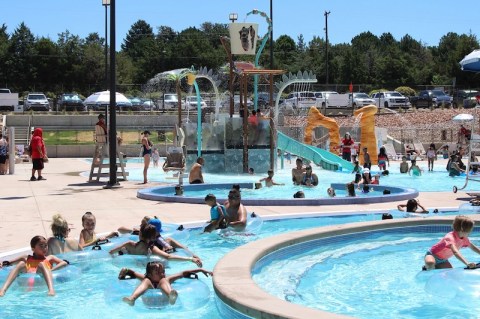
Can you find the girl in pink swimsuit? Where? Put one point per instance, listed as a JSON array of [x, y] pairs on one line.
[[437, 257]]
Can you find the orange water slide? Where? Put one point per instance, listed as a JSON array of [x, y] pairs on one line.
[[367, 132], [314, 119]]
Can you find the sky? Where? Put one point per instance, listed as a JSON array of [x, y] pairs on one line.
[[424, 20]]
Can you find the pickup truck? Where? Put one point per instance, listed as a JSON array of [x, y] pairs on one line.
[[431, 98], [390, 99], [8, 100]]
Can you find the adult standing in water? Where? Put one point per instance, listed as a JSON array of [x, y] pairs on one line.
[[38, 153], [347, 145], [146, 153], [236, 212], [195, 176], [297, 172]]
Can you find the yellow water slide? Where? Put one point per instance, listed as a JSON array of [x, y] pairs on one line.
[[315, 119], [367, 132]]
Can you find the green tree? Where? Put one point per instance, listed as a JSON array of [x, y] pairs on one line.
[[20, 63]]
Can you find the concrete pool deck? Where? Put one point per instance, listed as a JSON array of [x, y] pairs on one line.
[[26, 207]]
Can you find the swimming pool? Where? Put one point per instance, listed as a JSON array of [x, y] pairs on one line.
[[86, 296], [435, 181], [372, 275]]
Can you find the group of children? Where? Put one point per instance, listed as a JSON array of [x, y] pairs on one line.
[[43, 260]]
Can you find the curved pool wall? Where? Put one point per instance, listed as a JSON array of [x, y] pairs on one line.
[[238, 296], [167, 194]]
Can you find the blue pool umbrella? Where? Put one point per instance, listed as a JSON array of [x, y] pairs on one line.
[[471, 62]]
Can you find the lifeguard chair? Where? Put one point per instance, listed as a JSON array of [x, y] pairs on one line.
[[101, 151]]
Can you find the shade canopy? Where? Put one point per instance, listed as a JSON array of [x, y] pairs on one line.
[[471, 62], [104, 97]]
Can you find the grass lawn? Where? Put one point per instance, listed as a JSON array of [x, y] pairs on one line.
[[87, 137]]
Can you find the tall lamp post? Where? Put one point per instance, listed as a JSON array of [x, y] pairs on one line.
[[271, 38], [326, 44], [233, 17], [106, 3]]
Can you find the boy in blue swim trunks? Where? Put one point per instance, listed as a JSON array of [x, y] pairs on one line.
[[217, 214]]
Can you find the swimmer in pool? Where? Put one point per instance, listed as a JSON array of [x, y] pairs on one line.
[[412, 206], [415, 169], [269, 182]]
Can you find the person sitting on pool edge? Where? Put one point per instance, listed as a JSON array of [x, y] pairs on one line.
[[309, 178], [236, 212]]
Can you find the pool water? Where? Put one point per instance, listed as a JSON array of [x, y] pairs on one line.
[[435, 181], [86, 295], [375, 275]]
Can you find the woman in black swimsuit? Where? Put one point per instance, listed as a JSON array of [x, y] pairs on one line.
[[146, 153]]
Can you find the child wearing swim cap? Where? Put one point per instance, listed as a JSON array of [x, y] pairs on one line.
[[38, 262], [450, 245]]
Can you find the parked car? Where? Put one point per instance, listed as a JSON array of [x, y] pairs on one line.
[[465, 98], [431, 98], [8, 100], [300, 99], [37, 102], [70, 102], [361, 99], [169, 101], [263, 99], [137, 104], [148, 105], [331, 99], [191, 103], [236, 103], [391, 99]]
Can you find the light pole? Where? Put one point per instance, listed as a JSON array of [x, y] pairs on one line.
[[271, 35], [326, 44], [106, 3], [233, 17]]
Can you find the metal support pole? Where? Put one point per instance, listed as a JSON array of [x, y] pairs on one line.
[[112, 133], [11, 147], [243, 101], [271, 35], [326, 44]]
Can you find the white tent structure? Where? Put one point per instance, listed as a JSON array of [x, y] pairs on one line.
[[102, 99]]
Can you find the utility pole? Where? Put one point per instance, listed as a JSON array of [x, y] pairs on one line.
[[271, 35], [326, 44]]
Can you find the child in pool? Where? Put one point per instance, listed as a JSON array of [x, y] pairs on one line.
[[450, 245], [38, 262], [146, 246], [415, 169], [134, 230], [350, 189], [217, 214], [412, 206], [404, 165], [155, 278], [383, 160], [269, 179], [87, 235], [357, 170], [331, 192]]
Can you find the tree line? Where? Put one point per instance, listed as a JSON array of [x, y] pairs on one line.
[[75, 64]]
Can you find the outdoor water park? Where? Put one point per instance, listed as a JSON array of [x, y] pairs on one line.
[[348, 247]]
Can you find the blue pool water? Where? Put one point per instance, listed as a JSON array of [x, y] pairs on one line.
[[91, 293], [375, 275], [435, 181]]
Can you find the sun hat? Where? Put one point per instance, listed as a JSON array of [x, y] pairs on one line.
[[157, 223]]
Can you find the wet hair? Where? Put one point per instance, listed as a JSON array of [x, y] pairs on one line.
[[88, 215], [299, 160], [365, 189], [386, 192], [412, 205], [331, 192], [299, 194], [308, 167], [463, 223], [236, 186], [34, 241], [59, 225], [387, 216], [234, 194], [199, 159], [270, 171], [351, 189], [385, 172], [251, 170], [414, 162], [148, 232], [210, 197], [151, 265]]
